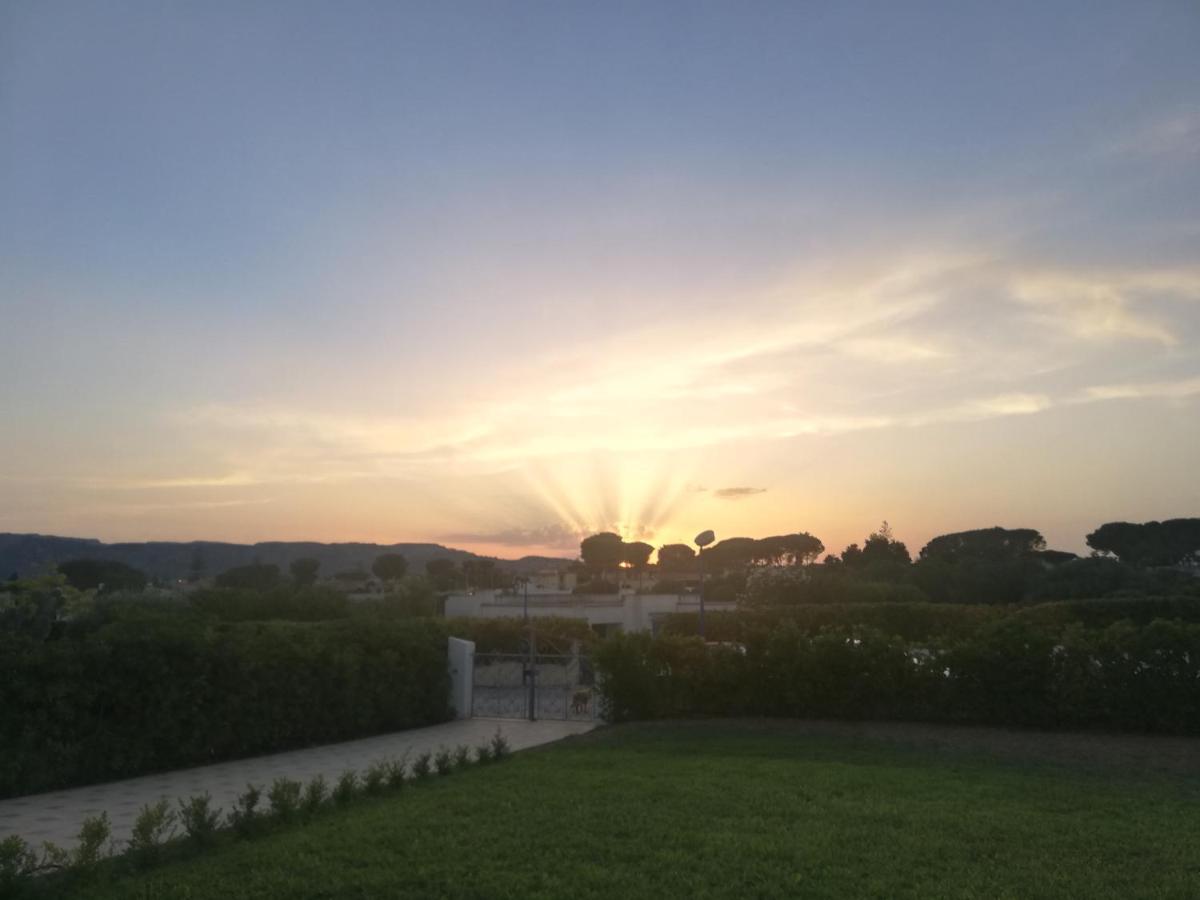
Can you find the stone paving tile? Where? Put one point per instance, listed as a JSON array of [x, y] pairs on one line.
[[57, 816]]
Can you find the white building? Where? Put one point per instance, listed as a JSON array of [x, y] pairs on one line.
[[606, 613]]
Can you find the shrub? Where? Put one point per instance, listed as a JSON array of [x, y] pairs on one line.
[[395, 772], [93, 842], [159, 691], [244, 818], [284, 797], [483, 753], [1008, 672], [500, 746], [423, 765], [17, 863], [374, 777], [443, 762], [199, 819], [346, 788], [462, 756], [153, 827], [316, 792]]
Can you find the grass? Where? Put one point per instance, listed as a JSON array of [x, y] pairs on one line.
[[726, 810]]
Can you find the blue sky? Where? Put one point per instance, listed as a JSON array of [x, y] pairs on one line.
[[503, 273]]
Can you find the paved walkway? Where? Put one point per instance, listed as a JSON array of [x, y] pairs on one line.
[[57, 816]]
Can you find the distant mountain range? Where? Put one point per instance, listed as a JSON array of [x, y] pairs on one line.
[[31, 554]]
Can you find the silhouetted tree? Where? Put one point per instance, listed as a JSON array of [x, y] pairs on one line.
[[676, 557], [255, 577], [636, 554], [787, 549], [880, 547], [304, 570], [1169, 543], [443, 573], [730, 554], [390, 566], [89, 574], [991, 544], [602, 551]]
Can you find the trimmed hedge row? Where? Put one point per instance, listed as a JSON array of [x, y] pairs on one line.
[[143, 696], [1010, 673], [909, 620], [917, 621]]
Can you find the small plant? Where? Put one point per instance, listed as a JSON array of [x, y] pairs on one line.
[[316, 792], [500, 746], [17, 862], [284, 796], [396, 769], [153, 827], [93, 840], [245, 817], [422, 766], [374, 777], [462, 756], [346, 788], [483, 753], [443, 761], [199, 819]]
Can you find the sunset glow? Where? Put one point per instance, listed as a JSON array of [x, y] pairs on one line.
[[443, 296]]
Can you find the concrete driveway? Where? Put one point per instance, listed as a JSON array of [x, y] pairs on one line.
[[57, 816]]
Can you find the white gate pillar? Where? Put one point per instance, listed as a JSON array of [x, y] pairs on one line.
[[460, 656]]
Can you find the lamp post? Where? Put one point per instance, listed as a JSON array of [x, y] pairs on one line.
[[703, 539]]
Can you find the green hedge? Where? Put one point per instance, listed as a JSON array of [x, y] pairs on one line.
[[910, 620], [147, 695], [1010, 672]]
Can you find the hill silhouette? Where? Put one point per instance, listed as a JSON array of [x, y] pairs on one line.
[[30, 554]]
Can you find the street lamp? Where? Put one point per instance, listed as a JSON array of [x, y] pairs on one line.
[[703, 539]]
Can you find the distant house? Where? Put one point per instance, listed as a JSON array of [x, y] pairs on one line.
[[606, 613]]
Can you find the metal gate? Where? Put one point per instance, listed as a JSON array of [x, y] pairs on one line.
[[545, 686]]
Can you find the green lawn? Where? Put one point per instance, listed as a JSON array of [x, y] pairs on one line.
[[729, 810]]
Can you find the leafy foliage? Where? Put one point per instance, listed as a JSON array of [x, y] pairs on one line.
[[1009, 671], [199, 819], [389, 566], [106, 574], [159, 692], [153, 827]]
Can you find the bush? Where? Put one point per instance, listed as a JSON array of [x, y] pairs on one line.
[[395, 772], [153, 827], [157, 692], [374, 778], [244, 818], [423, 765], [92, 842], [462, 756], [1008, 672], [346, 788], [199, 819], [17, 863], [316, 792], [284, 797], [443, 761], [500, 746], [286, 602]]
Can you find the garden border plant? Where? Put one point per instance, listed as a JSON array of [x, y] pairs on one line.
[[155, 840]]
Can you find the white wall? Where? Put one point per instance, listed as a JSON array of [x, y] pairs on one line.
[[460, 657], [629, 612]]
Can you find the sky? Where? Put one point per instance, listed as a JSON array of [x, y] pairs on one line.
[[498, 275]]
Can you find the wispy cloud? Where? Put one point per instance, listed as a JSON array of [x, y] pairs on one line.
[[737, 493], [1169, 134]]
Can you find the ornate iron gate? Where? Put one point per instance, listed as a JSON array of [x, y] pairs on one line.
[[546, 686]]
